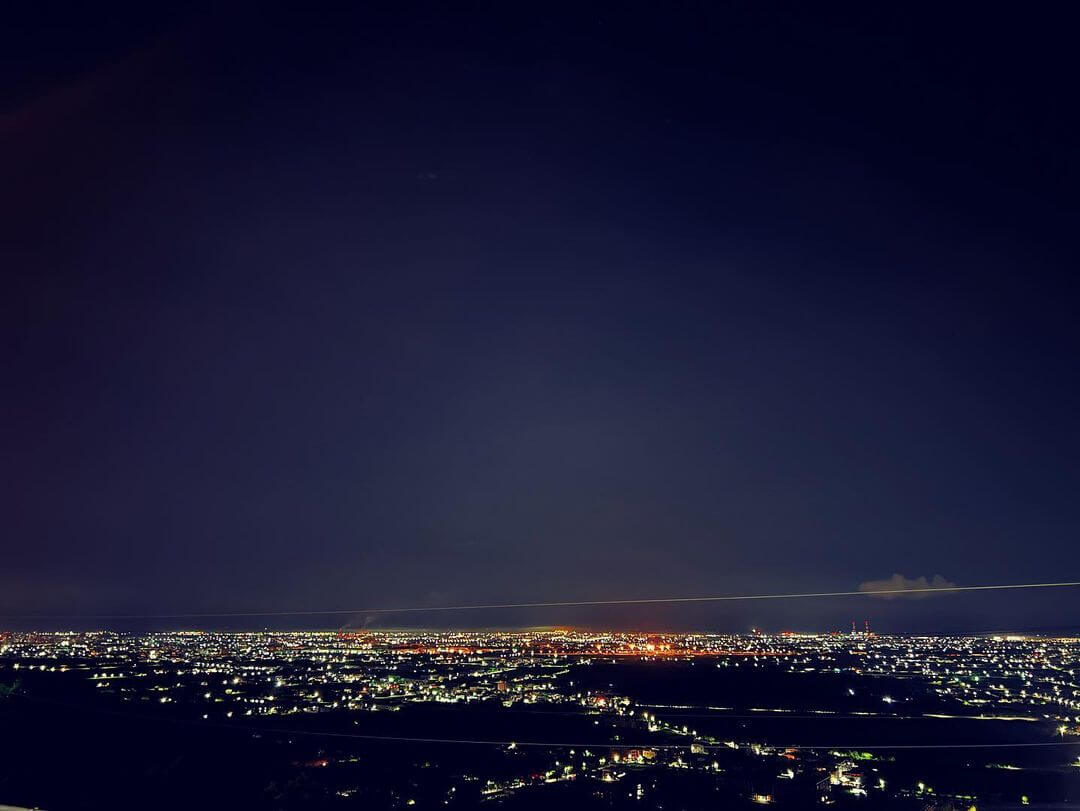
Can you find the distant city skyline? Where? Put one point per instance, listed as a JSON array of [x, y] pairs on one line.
[[472, 717]]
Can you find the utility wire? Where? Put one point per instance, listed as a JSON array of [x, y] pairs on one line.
[[538, 744], [551, 604], [563, 745]]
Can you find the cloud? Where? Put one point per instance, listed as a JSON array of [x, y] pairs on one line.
[[898, 583]]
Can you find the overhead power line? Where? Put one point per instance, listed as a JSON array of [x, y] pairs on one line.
[[548, 604], [360, 736], [669, 746]]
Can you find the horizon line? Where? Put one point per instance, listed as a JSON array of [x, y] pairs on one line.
[[551, 604]]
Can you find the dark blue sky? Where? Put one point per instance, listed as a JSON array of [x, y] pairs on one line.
[[315, 306]]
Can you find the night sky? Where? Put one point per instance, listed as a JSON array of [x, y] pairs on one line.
[[397, 304]]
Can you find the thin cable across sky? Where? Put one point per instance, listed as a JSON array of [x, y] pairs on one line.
[[318, 733], [666, 746], [549, 604]]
